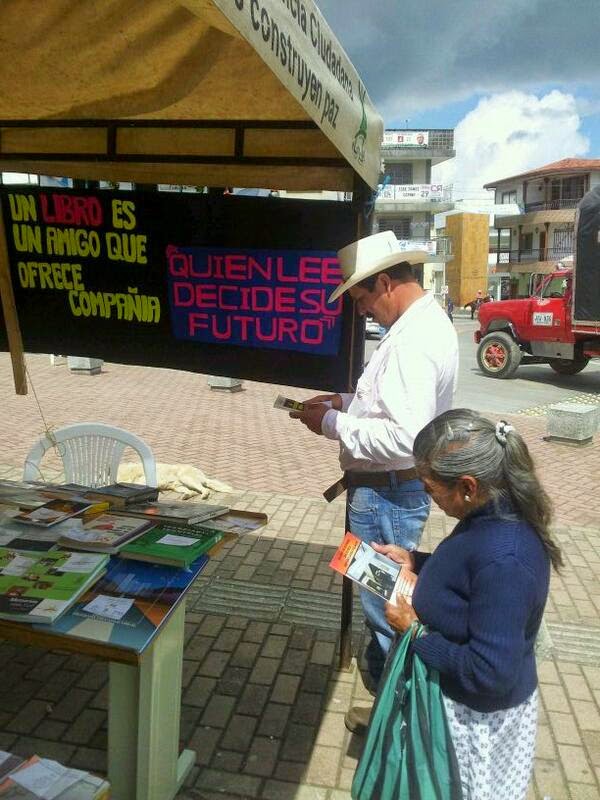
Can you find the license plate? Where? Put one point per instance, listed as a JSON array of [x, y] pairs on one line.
[[543, 318]]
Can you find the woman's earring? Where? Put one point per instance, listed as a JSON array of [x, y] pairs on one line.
[[467, 498]]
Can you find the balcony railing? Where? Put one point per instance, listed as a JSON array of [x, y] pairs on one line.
[[534, 254], [415, 193], [553, 205]]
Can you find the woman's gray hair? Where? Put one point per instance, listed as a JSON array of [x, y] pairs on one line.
[[462, 442]]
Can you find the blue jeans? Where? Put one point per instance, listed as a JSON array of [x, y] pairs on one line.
[[388, 516]]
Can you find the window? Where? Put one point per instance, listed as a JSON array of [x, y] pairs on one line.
[[400, 174], [555, 287], [562, 242], [567, 188], [399, 225], [526, 242], [509, 197]]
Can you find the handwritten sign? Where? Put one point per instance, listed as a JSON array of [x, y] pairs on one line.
[[255, 298], [187, 281]]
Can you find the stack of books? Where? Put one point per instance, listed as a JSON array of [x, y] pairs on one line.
[[178, 513], [177, 546], [121, 495], [35, 778]]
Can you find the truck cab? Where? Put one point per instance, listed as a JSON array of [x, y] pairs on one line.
[[536, 330]]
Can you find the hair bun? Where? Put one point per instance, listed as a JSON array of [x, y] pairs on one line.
[[502, 429]]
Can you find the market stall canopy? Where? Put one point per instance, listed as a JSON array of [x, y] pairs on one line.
[[203, 92]]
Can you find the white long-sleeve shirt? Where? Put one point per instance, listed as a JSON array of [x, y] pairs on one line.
[[409, 380]]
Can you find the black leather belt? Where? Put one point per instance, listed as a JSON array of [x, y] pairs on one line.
[[379, 479], [372, 479]]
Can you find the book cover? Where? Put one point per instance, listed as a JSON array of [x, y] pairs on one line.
[[121, 495], [104, 533], [238, 522], [38, 778], [54, 511], [177, 546], [20, 536], [373, 571], [8, 762], [39, 587], [150, 592], [175, 512]]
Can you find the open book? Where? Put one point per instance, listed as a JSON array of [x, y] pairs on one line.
[[373, 571]]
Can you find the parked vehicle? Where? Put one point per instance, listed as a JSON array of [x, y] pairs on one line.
[[560, 324], [372, 329]]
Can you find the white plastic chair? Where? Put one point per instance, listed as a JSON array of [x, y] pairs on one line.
[[91, 453]]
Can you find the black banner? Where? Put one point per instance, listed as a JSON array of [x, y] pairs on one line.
[[225, 285], [587, 259]]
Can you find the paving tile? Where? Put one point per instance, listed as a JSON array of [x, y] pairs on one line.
[[218, 711], [240, 730], [273, 720], [575, 764], [564, 728], [221, 782], [586, 715], [262, 757]]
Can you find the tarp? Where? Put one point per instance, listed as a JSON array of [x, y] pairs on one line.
[[221, 92], [586, 308]]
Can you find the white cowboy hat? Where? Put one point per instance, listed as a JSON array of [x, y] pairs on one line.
[[370, 255]]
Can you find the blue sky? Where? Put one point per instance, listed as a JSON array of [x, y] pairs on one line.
[[519, 81]]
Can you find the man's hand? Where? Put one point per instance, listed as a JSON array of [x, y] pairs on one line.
[[395, 553], [401, 616], [312, 416], [334, 399]]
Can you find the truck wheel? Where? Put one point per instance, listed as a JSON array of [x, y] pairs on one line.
[[498, 355], [566, 367]]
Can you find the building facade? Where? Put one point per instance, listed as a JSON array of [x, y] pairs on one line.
[[408, 199], [541, 234]]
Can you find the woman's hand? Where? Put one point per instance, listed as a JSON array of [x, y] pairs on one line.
[[395, 553], [400, 616]]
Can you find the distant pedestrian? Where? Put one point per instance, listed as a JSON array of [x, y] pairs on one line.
[[450, 309]]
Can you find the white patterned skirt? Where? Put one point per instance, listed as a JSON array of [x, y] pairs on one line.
[[494, 749]]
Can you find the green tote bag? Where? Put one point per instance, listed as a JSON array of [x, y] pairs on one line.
[[408, 753]]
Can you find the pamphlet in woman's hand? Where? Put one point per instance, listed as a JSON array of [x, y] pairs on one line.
[[373, 571]]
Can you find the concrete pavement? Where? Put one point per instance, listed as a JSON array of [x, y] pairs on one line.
[[263, 702]]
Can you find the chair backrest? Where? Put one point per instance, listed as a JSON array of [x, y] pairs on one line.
[[91, 453]]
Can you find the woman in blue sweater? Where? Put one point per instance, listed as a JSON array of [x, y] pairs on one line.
[[481, 595]]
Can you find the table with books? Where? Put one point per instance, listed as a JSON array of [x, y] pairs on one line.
[[111, 583]]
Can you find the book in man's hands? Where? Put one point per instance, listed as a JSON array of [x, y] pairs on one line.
[[105, 533], [120, 495], [175, 545], [287, 404], [39, 587], [373, 571]]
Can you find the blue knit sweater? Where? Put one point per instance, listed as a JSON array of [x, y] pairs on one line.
[[482, 594]]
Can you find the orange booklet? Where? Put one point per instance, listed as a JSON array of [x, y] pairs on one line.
[[373, 571]]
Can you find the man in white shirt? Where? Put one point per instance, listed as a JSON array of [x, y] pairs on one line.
[[409, 380]]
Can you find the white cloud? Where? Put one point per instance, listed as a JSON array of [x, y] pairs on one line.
[[510, 133]]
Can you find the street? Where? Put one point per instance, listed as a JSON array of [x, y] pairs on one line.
[[534, 386]]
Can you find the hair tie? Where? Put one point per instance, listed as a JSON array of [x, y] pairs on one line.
[[502, 428]]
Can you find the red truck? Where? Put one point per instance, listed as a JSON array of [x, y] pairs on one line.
[[560, 324]]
